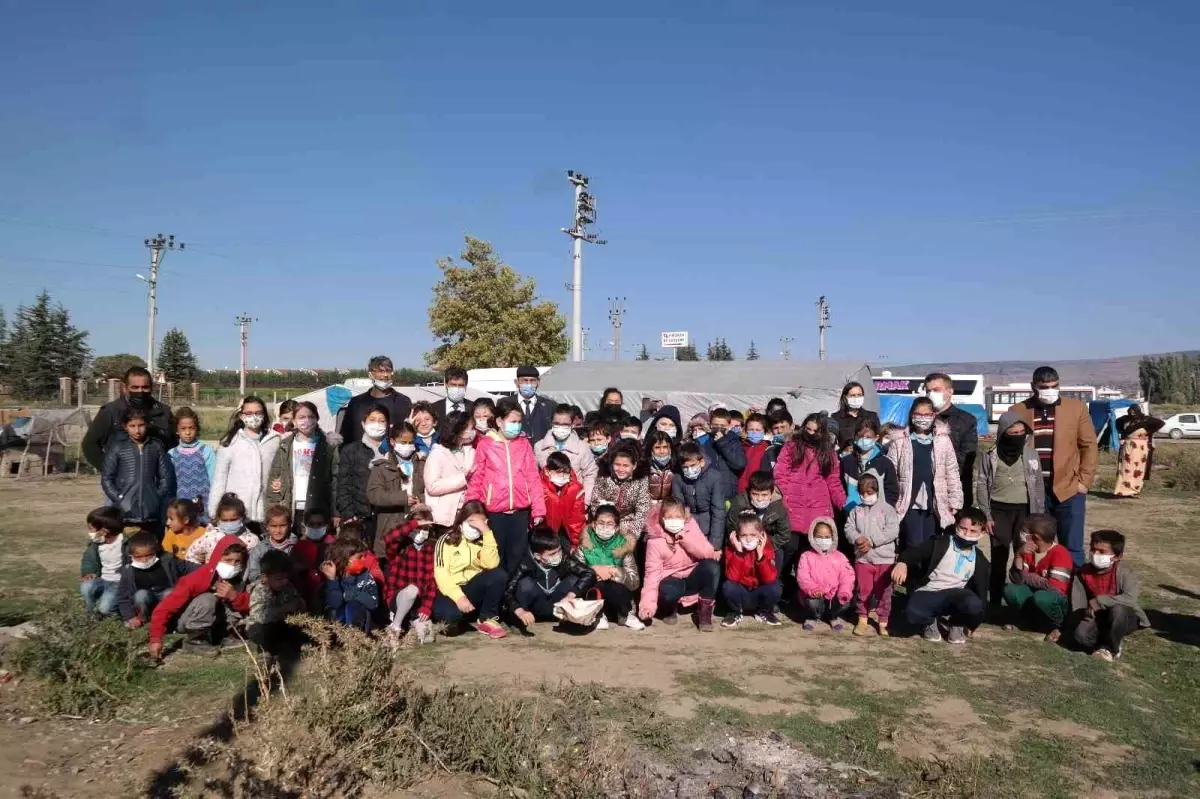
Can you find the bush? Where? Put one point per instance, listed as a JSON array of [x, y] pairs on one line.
[[1180, 466], [84, 665]]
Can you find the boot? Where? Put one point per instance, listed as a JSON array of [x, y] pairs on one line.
[[861, 627], [704, 616]]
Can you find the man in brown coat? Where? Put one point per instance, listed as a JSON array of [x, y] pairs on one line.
[[1066, 445]]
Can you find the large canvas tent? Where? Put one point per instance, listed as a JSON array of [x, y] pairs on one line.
[[37, 441], [691, 386], [332, 399]]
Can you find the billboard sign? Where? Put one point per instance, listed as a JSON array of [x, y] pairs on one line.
[[676, 339]]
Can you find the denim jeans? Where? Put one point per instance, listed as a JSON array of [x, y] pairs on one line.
[[100, 595], [1070, 516], [528, 596], [962, 605], [485, 590], [746, 600], [144, 601]]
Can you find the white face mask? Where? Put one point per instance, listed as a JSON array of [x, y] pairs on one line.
[[692, 472], [469, 532], [670, 430], [1047, 396], [560, 479], [921, 423], [382, 385], [939, 399], [420, 536], [375, 430], [482, 425], [99, 538], [605, 533], [822, 544], [306, 425], [468, 436], [560, 432], [673, 525], [854, 403], [230, 528], [870, 500], [750, 544], [1102, 561], [552, 562], [760, 504], [456, 393], [227, 571], [252, 421], [144, 564], [406, 450]]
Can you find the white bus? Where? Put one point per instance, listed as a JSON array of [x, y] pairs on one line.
[[1001, 398], [968, 389]]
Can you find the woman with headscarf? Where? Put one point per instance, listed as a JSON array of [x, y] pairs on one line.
[[1136, 431]]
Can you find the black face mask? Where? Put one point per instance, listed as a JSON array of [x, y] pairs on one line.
[[811, 438], [139, 399]]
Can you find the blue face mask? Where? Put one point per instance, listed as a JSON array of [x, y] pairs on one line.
[[924, 438], [865, 444], [735, 430], [778, 438], [230, 528], [599, 449], [702, 438], [528, 390], [661, 460], [512, 429], [754, 436]]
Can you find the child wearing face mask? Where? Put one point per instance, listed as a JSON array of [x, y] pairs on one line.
[[660, 465], [356, 460], [682, 567], [623, 483], [873, 528], [610, 555], [565, 508], [146, 580], [927, 473], [702, 490], [409, 582], [103, 559], [825, 577], [183, 527], [755, 446], [723, 449], [809, 476], [779, 429], [424, 423], [396, 484], [301, 474], [850, 414], [751, 579], [466, 568], [309, 553], [351, 590], [137, 476], [546, 576], [194, 461], [762, 499], [1104, 598], [206, 603], [483, 412], [229, 520], [599, 438], [244, 460], [867, 455], [277, 536], [562, 439], [1041, 577]]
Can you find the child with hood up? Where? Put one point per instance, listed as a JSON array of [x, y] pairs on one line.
[[873, 529], [825, 576], [682, 567], [207, 602]]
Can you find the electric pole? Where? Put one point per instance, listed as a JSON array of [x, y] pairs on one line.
[[243, 323], [615, 313], [584, 351], [158, 246], [786, 343], [822, 324], [584, 215]]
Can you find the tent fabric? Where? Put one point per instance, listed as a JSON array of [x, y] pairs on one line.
[[895, 408], [1105, 414], [806, 386], [332, 399]]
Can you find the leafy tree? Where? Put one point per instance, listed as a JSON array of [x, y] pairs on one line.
[[643, 354], [175, 358], [752, 353], [486, 314], [3, 345], [115, 366], [687, 353], [1170, 378], [43, 346], [719, 351]]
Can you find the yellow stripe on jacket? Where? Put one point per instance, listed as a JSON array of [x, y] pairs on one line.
[[455, 564]]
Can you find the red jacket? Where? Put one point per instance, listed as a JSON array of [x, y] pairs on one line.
[[749, 569], [565, 513], [1056, 566], [754, 458], [407, 565], [307, 554], [193, 585]]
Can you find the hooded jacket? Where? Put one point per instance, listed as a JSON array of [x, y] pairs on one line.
[[829, 573], [506, 476], [879, 524], [138, 480], [947, 488], [547, 579], [617, 552], [705, 497], [242, 469], [1031, 467], [667, 557], [322, 476], [807, 493], [356, 584], [106, 428], [566, 513], [583, 462], [445, 476], [200, 581], [392, 495], [750, 568], [127, 588], [665, 412], [774, 517]]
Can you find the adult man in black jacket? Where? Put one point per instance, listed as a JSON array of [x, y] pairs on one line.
[[947, 575], [547, 575], [106, 427], [963, 432], [381, 393], [539, 411]]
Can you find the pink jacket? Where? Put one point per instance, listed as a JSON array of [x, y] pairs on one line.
[[828, 572], [670, 557], [506, 476], [806, 494], [445, 475], [947, 486]]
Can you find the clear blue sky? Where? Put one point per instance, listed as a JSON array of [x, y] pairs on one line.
[[1016, 182]]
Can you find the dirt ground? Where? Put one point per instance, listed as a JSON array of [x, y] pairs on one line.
[[891, 704]]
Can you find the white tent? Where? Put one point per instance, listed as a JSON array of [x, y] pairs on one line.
[[693, 386], [332, 399]]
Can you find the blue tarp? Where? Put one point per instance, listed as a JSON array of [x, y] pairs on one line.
[[1104, 415], [894, 408]]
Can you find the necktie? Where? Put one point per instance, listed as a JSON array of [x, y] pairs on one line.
[[528, 407]]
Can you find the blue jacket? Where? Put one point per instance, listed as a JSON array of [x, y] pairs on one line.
[[360, 588], [728, 457], [705, 497]]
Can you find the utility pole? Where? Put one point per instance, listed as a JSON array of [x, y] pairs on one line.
[[786, 343], [158, 246], [243, 323], [583, 352], [584, 215], [822, 323], [615, 313]]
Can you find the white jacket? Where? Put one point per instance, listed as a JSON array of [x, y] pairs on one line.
[[242, 469], [446, 474]]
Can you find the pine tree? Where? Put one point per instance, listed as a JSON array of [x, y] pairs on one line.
[[719, 351], [643, 354], [687, 353], [43, 346], [175, 358], [752, 353]]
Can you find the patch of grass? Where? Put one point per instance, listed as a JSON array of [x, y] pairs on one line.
[[707, 684]]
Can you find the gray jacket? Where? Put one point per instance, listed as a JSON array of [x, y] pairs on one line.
[[1128, 590], [879, 524], [985, 475]]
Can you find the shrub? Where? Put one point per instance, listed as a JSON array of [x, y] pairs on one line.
[[1180, 466]]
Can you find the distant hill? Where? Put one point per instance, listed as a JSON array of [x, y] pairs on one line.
[[1120, 372]]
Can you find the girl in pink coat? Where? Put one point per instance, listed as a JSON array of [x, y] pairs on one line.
[[506, 480], [809, 476], [825, 576], [682, 568], [447, 467]]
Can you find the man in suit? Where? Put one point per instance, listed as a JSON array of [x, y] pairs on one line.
[[539, 411], [456, 394]]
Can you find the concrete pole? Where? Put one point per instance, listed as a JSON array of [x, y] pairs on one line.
[[577, 286]]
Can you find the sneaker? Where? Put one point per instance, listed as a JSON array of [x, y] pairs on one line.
[[769, 618], [602, 624], [1103, 654], [671, 619], [809, 626], [492, 629], [837, 625], [861, 627], [957, 635], [932, 633], [1053, 636], [731, 620], [1120, 649], [883, 630], [634, 623]]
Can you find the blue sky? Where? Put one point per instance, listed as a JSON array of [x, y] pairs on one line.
[[1017, 181]]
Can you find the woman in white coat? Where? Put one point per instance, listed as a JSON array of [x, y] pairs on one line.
[[244, 459], [448, 466]]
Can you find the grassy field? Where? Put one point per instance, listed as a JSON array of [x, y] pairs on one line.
[[1007, 715]]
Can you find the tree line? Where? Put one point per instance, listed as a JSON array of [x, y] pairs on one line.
[[1173, 379]]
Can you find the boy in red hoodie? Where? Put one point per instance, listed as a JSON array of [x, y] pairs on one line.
[[308, 554], [1040, 576], [756, 445], [565, 511], [205, 603], [751, 579]]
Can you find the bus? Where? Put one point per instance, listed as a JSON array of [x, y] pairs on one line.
[[968, 389], [1001, 398]]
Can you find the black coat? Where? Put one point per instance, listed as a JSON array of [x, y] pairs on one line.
[[922, 559], [138, 481], [846, 424], [965, 435], [354, 469], [569, 567], [399, 408], [705, 499], [126, 588], [106, 427], [539, 420], [321, 478], [880, 464]]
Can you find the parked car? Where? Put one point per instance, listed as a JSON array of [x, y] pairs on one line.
[[1182, 425]]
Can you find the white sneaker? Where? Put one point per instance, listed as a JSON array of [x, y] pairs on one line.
[[603, 623], [634, 623]]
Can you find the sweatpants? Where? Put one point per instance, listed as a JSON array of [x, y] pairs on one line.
[[822, 609], [530, 596], [1006, 525], [402, 604], [917, 527], [743, 600], [618, 599], [1040, 607], [962, 605], [1106, 629], [874, 582], [485, 590], [703, 581], [512, 537], [207, 617]]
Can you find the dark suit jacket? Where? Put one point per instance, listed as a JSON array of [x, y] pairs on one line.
[[444, 408], [538, 421]]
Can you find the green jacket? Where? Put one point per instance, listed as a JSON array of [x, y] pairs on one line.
[[616, 552], [90, 563]]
